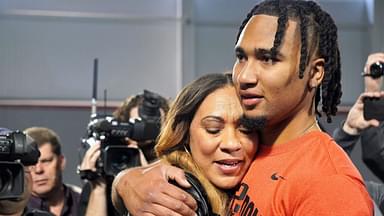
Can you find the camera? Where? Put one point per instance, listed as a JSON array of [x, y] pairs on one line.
[[376, 70], [373, 108], [16, 151], [112, 133]]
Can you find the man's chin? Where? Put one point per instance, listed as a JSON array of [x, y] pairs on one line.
[[41, 192], [254, 122]]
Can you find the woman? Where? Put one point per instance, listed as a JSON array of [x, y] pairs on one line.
[[203, 134]]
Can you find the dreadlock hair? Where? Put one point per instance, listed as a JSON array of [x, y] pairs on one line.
[[318, 34]]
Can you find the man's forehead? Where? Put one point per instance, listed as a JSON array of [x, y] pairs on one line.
[[46, 146], [261, 30]]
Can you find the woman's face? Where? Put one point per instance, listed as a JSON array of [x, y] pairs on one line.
[[219, 144]]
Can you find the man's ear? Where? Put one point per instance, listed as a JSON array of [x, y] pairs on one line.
[[63, 162], [316, 73]]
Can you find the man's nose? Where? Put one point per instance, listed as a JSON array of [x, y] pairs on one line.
[[38, 168], [248, 75]]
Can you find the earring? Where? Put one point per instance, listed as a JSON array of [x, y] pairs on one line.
[[312, 85], [186, 150]]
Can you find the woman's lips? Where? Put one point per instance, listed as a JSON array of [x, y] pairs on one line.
[[229, 167]]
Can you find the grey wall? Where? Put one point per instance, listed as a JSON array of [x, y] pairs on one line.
[[216, 26], [47, 50], [70, 124]]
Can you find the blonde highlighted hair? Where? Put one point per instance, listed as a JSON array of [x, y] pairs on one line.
[[173, 140]]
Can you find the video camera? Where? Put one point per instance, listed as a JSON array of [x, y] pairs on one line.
[[115, 154], [16, 151]]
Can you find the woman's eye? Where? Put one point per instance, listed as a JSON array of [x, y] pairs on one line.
[[245, 130], [212, 130]]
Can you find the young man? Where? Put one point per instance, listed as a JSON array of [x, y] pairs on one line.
[[287, 62], [49, 193]]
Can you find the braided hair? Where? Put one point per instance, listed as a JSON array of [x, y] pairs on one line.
[[318, 33]]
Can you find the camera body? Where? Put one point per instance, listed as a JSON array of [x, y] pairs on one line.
[[376, 70], [373, 108], [115, 154], [113, 134], [16, 151]]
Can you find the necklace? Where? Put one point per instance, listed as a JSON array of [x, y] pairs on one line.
[[309, 127]]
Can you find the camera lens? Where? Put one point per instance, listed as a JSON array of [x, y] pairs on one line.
[[377, 70], [6, 181]]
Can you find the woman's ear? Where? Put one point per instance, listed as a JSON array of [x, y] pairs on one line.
[[316, 73]]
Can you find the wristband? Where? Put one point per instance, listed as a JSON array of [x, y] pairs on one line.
[[88, 174]]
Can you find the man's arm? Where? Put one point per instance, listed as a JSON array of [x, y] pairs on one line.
[[146, 191], [376, 190], [348, 134], [372, 141], [345, 140], [97, 204], [97, 201]]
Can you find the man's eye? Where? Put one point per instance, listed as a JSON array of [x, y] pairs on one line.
[[240, 57], [46, 161], [268, 59]]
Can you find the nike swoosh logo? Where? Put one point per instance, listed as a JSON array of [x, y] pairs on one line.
[[276, 177]]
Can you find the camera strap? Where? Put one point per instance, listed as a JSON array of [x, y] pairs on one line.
[[88, 175]]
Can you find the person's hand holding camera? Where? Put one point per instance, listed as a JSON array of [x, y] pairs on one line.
[[90, 157], [355, 121], [372, 79], [89, 163], [97, 198]]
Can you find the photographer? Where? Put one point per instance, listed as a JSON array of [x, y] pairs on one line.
[[369, 132], [95, 198], [15, 174], [129, 110], [356, 128], [49, 192]]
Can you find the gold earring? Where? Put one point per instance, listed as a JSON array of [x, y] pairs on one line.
[[186, 150]]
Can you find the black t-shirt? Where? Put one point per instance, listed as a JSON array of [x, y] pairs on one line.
[[36, 212]]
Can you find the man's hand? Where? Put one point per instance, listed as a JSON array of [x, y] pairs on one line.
[[355, 121], [373, 85], [90, 157], [146, 191]]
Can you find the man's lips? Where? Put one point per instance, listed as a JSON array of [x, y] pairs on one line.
[[250, 100], [40, 181]]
